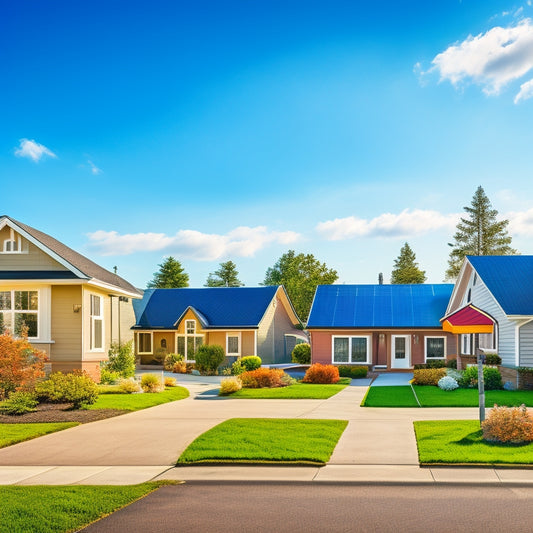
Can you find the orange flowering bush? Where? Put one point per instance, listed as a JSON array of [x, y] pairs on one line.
[[263, 377], [428, 376], [508, 424], [21, 365], [319, 373]]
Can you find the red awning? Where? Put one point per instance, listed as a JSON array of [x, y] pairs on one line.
[[469, 319]]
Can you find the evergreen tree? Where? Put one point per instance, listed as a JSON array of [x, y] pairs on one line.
[[226, 276], [170, 275], [479, 234], [300, 274], [406, 268]]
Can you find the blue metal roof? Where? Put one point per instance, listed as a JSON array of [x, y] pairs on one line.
[[379, 306], [510, 280], [219, 306]]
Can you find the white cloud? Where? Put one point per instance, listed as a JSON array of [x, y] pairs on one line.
[[240, 242], [33, 150], [94, 169], [525, 93], [405, 224], [491, 59], [521, 222]]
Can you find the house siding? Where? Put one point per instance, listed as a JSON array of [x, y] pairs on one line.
[[66, 324], [526, 345]]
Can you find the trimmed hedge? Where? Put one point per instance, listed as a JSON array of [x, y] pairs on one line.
[[353, 372], [428, 376], [301, 354], [321, 374]]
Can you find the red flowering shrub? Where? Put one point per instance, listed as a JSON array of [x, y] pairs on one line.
[[508, 424], [319, 373], [263, 377]]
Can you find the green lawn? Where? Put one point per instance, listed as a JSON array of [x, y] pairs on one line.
[[47, 509], [434, 397], [135, 402], [13, 433], [297, 391], [266, 440], [460, 441]]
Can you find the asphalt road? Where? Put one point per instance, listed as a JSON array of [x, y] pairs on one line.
[[309, 508]]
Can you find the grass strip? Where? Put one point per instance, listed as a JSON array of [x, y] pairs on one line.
[[390, 396], [461, 441], [13, 433], [136, 402], [266, 440], [298, 391], [49, 509]]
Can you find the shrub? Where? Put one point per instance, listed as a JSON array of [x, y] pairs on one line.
[[491, 377], [171, 382], [319, 373], [301, 354], [455, 374], [227, 371], [451, 363], [229, 386], [189, 367], [237, 368], [493, 359], [508, 424], [180, 367], [108, 377], [448, 383], [21, 365], [287, 380], [208, 358], [129, 386], [121, 359], [263, 377], [428, 376], [18, 403], [76, 388], [250, 362], [159, 355], [152, 383], [171, 359], [352, 371]]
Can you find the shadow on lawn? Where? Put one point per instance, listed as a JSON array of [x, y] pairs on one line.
[[476, 437]]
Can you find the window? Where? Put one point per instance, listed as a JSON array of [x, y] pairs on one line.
[[145, 343], [465, 343], [435, 347], [20, 310], [190, 327], [97, 323], [489, 341], [351, 350], [233, 341], [188, 343], [164, 343]]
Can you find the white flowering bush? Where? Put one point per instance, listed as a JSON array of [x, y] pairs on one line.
[[448, 383]]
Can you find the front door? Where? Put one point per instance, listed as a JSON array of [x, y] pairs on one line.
[[401, 351]]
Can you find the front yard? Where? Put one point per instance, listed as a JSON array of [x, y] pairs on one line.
[[297, 391], [14, 433]]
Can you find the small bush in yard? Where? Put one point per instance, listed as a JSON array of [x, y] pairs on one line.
[[451, 363], [353, 372], [170, 360], [319, 373], [121, 359], [491, 377], [508, 424], [180, 367], [229, 386], [171, 382], [250, 362], [448, 383], [263, 377], [428, 376], [208, 358], [18, 403], [129, 386], [301, 354], [108, 377], [152, 383], [493, 359], [76, 388]]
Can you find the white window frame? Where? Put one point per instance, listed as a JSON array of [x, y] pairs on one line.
[[234, 334], [185, 337], [13, 312], [139, 333], [94, 319], [350, 337], [466, 347], [443, 358], [8, 243], [187, 323]]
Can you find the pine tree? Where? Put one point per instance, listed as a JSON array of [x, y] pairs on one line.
[[171, 275], [406, 268], [226, 276], [479, 234]]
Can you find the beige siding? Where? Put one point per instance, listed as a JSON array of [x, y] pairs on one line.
[[66, 324], [122, 318], [88, 354], [248, 344]]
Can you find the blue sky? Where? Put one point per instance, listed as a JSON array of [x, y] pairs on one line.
[[238, 130]]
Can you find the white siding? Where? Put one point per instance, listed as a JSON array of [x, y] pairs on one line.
[[526, 345]]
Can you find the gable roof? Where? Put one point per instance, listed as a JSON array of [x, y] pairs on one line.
[[509, 278], [219, 307], [379, 306], [81, 266]]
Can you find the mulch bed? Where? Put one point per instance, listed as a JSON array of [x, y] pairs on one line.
[[60, 412]]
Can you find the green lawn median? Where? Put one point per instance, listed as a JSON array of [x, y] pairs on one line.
[[298, 391], [266, 440], [461, 442], [14, 433], [136, 402], [46, 509]]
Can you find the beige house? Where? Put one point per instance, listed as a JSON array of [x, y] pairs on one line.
[[73, 308]]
